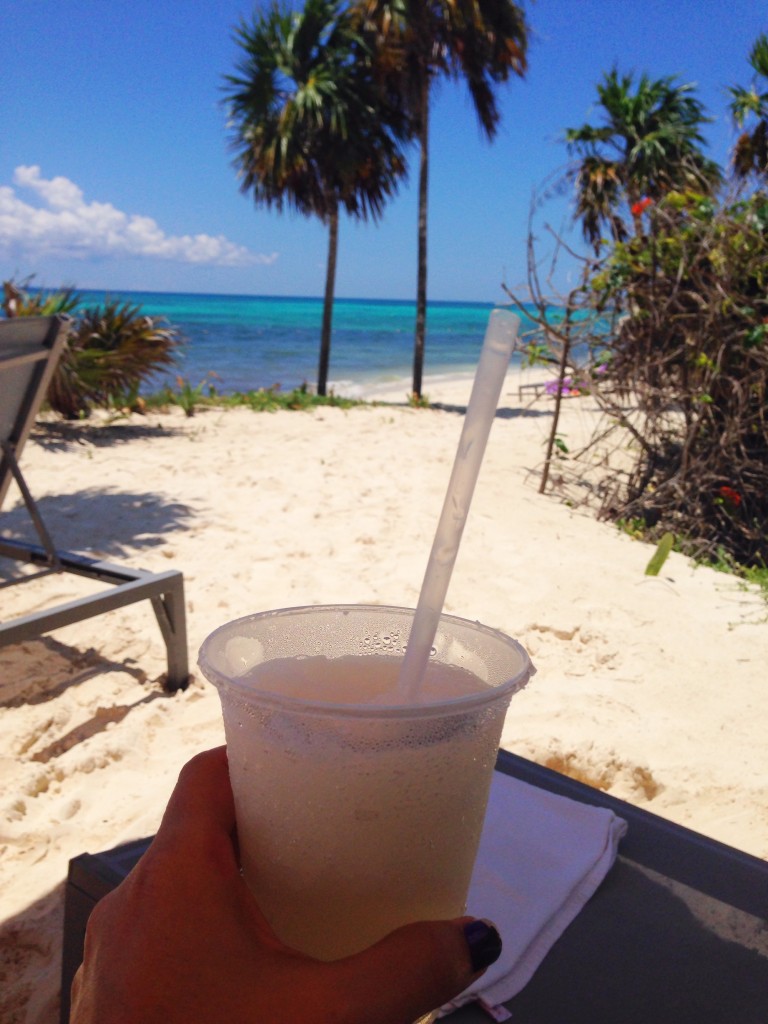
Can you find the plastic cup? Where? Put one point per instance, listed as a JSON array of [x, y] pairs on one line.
[[354, 817]]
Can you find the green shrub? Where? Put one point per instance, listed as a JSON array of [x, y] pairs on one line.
[[111, 349], [690, 359]]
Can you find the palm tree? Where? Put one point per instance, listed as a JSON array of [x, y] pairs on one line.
[[751, 150], [416, 41], [648, 144], [311, 129]]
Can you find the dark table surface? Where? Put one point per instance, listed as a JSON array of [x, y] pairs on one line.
[[676, 934]]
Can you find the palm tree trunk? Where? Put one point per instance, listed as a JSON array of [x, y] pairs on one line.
[[330, 282], [421, 282]]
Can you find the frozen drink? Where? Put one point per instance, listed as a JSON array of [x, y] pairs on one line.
[[357, 812]]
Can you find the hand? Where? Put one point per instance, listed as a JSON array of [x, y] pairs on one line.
[[182, 939]]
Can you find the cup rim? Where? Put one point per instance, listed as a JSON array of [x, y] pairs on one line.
[[236, 686]]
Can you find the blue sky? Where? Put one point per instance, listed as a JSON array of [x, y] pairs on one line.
[[115, 172]]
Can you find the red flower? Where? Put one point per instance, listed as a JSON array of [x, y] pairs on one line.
[[731, 496], [641, 206]]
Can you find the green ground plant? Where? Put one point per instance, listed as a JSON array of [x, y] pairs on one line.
[[417, 401], [188, 396], [273, 399]]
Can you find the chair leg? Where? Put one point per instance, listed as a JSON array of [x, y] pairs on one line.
[[170, 613], [165, 590], [29, 501]]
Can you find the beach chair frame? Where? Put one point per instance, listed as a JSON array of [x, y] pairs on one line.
[[30, 348]]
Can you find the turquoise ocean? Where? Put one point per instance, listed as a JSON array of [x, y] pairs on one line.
[[252, 342]]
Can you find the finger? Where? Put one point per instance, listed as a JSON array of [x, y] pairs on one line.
[[201, 808], [416, 969], [198, 836]]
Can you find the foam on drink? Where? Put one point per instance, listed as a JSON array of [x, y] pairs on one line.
[[348, 680]]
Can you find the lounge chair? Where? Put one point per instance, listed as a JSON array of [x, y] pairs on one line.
[[30, 348], [674, 935]]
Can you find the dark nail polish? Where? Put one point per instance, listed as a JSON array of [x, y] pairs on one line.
[[484, 943]]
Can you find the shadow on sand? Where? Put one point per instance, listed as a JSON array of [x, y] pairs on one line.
[[30, 960], [37, 671], [502, 413], [61, 435], [102, 520]]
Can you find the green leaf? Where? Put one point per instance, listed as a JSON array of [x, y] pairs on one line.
[[660, 555], [756, 336]]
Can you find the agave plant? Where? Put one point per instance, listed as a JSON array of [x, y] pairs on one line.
[[110, 350], [17, 300]]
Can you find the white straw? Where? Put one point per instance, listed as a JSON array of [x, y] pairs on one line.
[[491, 370]]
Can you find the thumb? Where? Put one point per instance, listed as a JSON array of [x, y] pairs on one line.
[[415, 970]]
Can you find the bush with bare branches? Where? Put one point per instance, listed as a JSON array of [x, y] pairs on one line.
[[687, 374]]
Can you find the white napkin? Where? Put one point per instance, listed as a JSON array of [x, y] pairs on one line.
[[541, 857]]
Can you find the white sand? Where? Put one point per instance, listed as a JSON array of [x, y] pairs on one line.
[[653, 688]]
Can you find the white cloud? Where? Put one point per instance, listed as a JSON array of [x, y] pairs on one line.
[[64, 224]]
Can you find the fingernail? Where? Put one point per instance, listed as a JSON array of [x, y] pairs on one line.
[[484, 943]]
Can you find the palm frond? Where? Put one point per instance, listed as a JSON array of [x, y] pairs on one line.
[[758, 55], [648, 143]]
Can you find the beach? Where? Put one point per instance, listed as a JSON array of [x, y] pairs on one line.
[[651, 688]]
